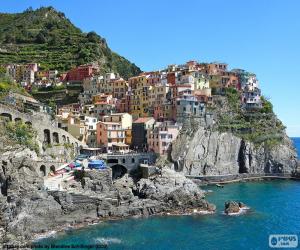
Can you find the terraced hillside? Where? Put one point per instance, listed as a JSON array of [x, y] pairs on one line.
[[46, 36]]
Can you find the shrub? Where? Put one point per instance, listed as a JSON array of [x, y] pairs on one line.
[[22, 134], [267, 106]]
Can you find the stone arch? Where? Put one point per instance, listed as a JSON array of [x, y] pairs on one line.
[[118, 171], [47, 137], [64, 138], [55, 137], [18, 119], [28, 123], [68, 140], [52, 169], [43, 170], [6, 116]]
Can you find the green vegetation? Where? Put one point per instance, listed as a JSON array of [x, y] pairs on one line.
[[233, 97], [267, 106], [7, 85], [49, 89], [22, 134], [258, 126], [46, 36]]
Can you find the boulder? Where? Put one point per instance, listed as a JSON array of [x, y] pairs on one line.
[[233, 207]]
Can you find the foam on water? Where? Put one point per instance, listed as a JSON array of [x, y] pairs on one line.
[[108, 241]]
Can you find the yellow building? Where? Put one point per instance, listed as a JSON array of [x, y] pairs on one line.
[[139, 103], [119, 88]]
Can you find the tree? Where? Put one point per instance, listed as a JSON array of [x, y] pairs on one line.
[[93, 37], [267, 106], [52, 106], [42, 36]]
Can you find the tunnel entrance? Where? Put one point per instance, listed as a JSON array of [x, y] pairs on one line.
[[47, 138], [6, 116], [18, 120], [118, 171], [52, 169], [43, 170], [55, 137]]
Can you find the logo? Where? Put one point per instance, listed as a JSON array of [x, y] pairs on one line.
[[283, 241]]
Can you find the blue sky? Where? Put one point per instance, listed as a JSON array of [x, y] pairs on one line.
[[261, 36]]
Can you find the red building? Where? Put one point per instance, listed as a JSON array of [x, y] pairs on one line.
[[171, 78], [81, 72]]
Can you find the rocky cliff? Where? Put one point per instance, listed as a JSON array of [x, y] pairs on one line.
[[27, 209], [237, 142], [208, 152]]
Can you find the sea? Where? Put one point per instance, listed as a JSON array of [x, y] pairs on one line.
[[274, 209]]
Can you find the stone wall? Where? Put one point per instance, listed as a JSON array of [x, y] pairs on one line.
[[47, 130]]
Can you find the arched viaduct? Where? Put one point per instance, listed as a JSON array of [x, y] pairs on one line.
[[47, 130], [123, 163]]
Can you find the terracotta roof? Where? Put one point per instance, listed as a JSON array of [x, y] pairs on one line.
[[143, 119]]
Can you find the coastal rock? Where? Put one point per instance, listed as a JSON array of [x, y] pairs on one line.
[[27, 209], [207, 152], [234, 207]]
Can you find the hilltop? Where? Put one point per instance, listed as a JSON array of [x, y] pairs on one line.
[[46, 36]]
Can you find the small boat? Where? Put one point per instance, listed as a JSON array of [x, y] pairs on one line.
[[219, 185]]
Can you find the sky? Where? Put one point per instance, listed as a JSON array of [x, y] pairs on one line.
[[261, 36]]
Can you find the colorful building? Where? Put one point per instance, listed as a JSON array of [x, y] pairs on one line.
[[139, 133], [114, 128], [81, 72], [160, 137]]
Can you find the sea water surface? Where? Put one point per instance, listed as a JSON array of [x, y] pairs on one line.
[[275, 209]]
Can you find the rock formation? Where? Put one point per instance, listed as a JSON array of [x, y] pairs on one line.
[[207, 152], [234, 207], [27, 209]]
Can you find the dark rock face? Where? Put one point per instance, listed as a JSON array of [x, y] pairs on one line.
[[206, 152], [233, 207], [27, 209]]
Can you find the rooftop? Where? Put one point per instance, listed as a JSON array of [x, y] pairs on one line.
[[143, 119]]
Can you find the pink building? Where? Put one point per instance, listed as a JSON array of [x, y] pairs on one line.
[[161, 136]]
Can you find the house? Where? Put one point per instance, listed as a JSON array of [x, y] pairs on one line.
[[119, 88], [114, 128], [216, 68], [160, 137], [139, 132], [104, 104], [139, 99], [22, 72], [90, 87], [251, 98], [187, 105], [78, 74], [91, 126]]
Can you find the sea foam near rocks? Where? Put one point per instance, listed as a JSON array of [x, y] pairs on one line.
[[108, 241]]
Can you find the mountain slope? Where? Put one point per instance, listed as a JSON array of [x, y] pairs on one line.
[[46, 36]]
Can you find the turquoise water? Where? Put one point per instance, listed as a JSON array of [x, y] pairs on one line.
[[275, 207]]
